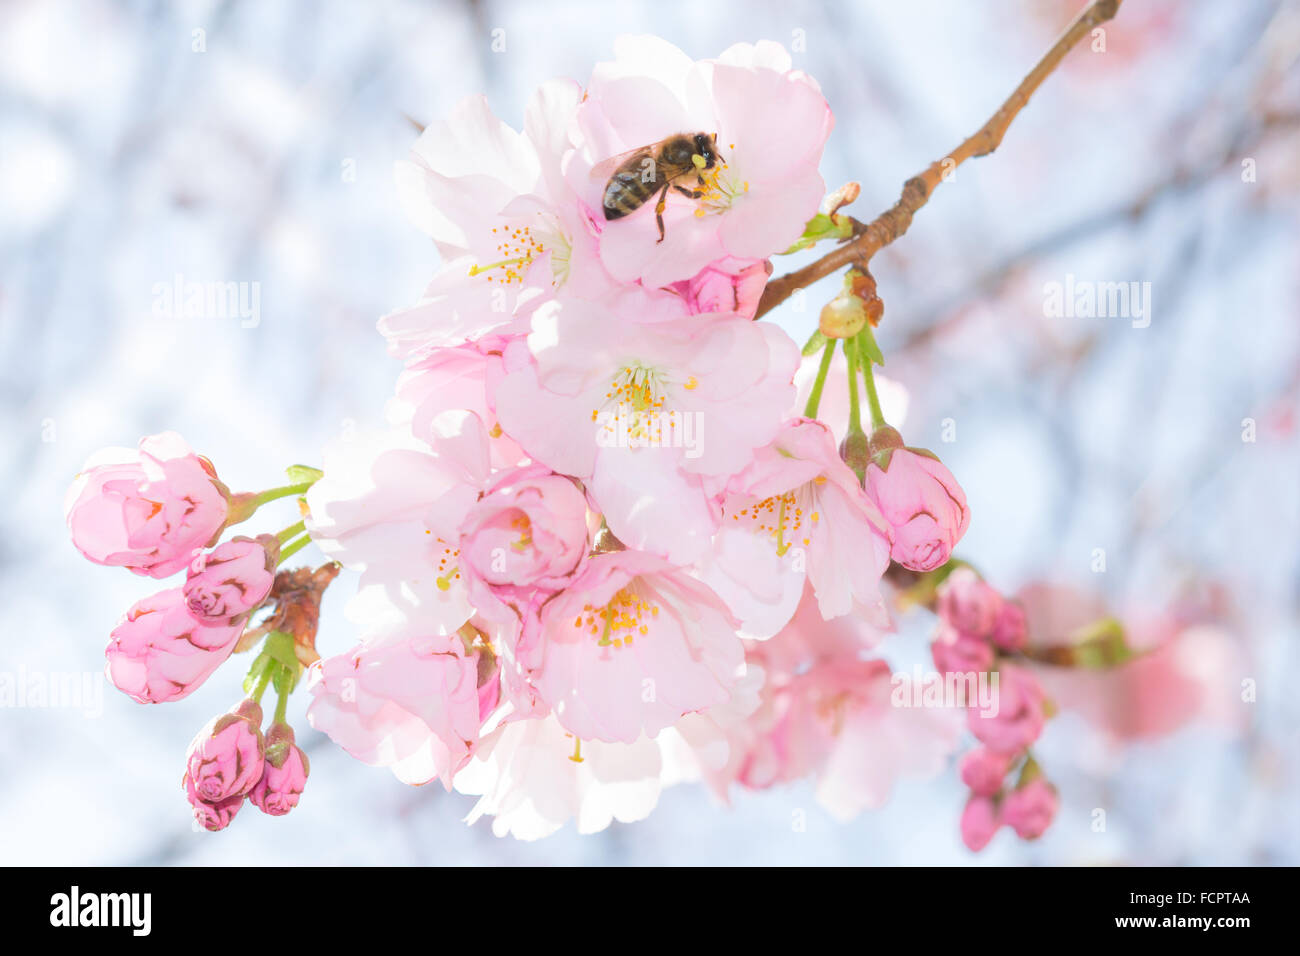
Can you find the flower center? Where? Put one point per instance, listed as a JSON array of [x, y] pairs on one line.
[[520, 245], [722, 187], [448, 566], [636, 397], [786, 518], [619, 621]]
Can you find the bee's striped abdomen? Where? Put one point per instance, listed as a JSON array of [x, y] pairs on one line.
[[627, 190]]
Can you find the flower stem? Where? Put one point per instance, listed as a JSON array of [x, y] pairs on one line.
[[291, 532], [873, 400], [283, 491], [294, 548], [855, 407], [281, 706], [261, 684], [815, 396]]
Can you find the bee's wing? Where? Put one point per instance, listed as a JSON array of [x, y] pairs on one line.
[[606, 168]]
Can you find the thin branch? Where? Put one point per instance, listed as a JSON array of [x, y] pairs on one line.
[[892, 223]]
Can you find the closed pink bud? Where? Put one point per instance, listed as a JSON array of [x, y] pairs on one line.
[[284, 773], [922, 502], [1019, 713], [967, 603], [958, 653], [979, 822], [159, 653], [211, 816], [147, 510], [226, 584], [1031, 809], [528, 531], [1011, 629], [225, 759], [984, 770], [728, 285]]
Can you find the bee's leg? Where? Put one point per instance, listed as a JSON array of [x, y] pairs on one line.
[[692, 193], [659, 211]]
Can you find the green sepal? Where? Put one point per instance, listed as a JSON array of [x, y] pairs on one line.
[[301, 474], [819, 227]]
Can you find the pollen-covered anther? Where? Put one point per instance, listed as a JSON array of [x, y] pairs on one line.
[[619, 622], [518, 248], [779, 517], [448, 567]]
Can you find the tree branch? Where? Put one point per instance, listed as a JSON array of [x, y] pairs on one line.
[[870, 238]]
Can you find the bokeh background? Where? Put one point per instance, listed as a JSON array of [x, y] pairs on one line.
[[254, 142]]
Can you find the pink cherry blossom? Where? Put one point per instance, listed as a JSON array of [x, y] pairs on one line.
[[797, 512], [631, 645], [650, 414], [983, 770], [527, 532], [508, 226], [225, 757], [1020, 714], [158, 652], [147, 510], [284, 773], [1030, 809], [407, 702], [770, 122], [923, 503], [979, 822], [228, 583], [968, 604]]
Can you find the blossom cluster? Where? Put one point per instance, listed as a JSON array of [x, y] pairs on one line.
[[157, 511], [978, 629], [605, 543], [603, 547]]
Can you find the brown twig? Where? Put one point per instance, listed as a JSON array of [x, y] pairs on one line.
[[893, 222]]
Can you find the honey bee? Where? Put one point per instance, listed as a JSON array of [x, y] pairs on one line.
[[659, 167]]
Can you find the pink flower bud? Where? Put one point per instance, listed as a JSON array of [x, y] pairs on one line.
[[979, 822], [225, 759], [284, 774], [1031, 809], [922, 502], [958, 653], [147, 510], [728, 285], [159, 653], [528, 531], [984, 770], [1011, 629], [228, 583], [1019, 716], [211, 816], [968, 603]]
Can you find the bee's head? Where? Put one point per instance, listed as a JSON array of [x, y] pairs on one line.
[[706, 147]]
